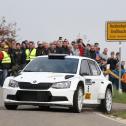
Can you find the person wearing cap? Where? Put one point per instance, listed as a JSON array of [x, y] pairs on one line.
[[5, 63]]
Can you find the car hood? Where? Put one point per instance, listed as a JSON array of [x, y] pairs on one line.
[[36, 77]]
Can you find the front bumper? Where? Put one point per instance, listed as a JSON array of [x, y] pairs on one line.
[[38, 97]]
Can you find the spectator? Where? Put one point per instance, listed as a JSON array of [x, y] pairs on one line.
[[75, 50], [72, 43], [123, 64], [19, 55], [1, 56], [27, 44], [52, 48], [87, 51], [103, 59], [124, 82], [97, 50], [116, 71], [18, 60], [12, 52], [112, 61], [23, 48], [2, 44], [31, 52], [117, 56], [45, 50], [81, 47], [59, 47], [65, 49], [96, 45], [39, 49], [6, 62], [104, 55], [92, 52]]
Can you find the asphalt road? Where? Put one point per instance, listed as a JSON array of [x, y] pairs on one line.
[[32, 116]]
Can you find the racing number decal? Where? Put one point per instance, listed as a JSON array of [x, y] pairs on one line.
[[87, 95]]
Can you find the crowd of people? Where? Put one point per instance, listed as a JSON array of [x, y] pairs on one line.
[[16, 55]]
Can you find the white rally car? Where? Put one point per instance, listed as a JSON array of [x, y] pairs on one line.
[[59, 80]]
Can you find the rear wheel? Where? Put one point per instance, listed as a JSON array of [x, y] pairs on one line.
[[10, 107], [106, 104], [78, 100]]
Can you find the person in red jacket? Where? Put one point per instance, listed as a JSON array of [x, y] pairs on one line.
[[1, 71], [1, 57], [81, 47]]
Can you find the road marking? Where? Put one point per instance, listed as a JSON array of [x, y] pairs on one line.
[[119, 120]]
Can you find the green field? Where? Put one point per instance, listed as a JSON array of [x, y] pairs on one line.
[[119, 97], [119, 114]]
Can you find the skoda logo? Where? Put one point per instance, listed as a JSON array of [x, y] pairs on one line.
[[34, 81]]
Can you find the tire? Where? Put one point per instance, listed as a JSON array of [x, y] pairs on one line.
[[106, 104], [78, 100], [10, 107]]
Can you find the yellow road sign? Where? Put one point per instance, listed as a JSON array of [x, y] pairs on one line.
[[115, 31]]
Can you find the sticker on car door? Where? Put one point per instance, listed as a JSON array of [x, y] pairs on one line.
[[87, 96]]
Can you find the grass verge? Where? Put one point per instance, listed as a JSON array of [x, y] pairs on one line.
[[119, 97], [119, 114]]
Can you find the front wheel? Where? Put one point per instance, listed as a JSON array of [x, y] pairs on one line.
[[106, 104], [10, 107], [78, 100]]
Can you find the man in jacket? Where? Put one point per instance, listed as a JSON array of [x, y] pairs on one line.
[[31, 52], [5, 62]]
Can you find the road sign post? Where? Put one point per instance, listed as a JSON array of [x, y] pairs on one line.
[[120, 69], [116, 32]]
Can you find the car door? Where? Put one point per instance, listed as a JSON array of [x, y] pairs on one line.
[[95, 78], [85, 72], [91, 75]]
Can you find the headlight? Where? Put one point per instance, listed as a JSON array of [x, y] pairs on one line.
[[61, 85], [13, 84]]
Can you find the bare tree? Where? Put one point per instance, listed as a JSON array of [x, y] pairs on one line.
[[7, 30]]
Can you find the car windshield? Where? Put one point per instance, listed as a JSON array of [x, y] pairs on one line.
[[43, 64]]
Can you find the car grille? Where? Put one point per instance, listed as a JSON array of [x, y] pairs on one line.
[[35, 96], [39, 86], [38, 96]]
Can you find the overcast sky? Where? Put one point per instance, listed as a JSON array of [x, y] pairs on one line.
[[48, 19]]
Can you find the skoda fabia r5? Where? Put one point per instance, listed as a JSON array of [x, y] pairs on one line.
[[62, 80]]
